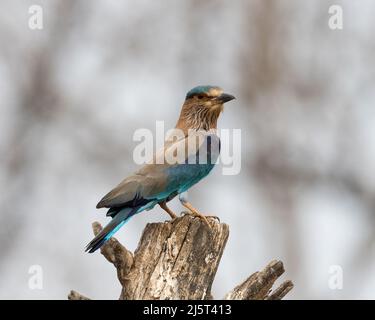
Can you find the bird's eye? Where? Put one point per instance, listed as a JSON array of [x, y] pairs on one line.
[[201, 96]]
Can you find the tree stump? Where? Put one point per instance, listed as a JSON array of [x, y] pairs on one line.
[[178, 260]]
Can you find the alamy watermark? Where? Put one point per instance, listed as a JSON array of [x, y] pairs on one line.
[[36, 17], [197, 147], [336, 278], [336, 19], [36, 277]]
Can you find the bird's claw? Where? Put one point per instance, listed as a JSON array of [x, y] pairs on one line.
[[214, 217], [198, 215]]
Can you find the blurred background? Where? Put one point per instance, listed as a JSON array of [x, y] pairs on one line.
[[73, 93]]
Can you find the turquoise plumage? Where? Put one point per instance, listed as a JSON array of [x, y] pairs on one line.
[[158, 183]]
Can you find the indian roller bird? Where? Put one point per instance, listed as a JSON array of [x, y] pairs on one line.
[[195, 150]]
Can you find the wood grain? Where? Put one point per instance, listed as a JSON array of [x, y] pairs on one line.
[[178, 260]]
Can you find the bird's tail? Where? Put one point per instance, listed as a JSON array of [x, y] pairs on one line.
[[110, 229]]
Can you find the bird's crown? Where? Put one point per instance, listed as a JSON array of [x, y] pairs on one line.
[[212, 91]]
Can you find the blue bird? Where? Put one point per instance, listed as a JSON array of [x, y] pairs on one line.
[[193, 150]]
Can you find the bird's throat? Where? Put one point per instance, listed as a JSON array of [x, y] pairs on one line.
[[199, 118]]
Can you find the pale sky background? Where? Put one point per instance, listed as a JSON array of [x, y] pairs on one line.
[[72, 95]]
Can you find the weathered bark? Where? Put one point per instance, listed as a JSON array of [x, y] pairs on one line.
[[178, 260], [74, 295], [258, 286]]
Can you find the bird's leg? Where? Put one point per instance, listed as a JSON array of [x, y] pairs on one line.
[[164, 206], [183, 197], [195, 212]]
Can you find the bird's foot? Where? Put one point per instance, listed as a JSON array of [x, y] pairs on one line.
[[184, 213], [195, 213], [214, 217]]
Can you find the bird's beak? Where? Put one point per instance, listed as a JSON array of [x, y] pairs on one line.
[[225, 97]]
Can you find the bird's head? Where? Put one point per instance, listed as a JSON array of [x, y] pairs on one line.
[[202, 107]]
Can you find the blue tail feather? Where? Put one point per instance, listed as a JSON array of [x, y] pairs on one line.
[[110, 229]]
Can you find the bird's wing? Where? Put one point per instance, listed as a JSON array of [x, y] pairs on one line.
[[171, 170], [141, 187]]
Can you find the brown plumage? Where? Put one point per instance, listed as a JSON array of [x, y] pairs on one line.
[[201, 111], [158, 183]]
